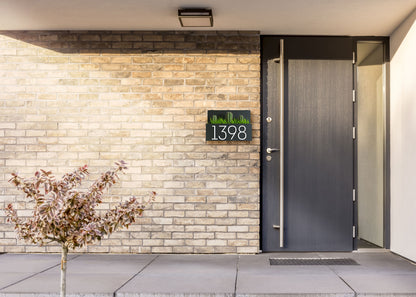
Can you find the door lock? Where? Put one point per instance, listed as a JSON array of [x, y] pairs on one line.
[[270, 150]]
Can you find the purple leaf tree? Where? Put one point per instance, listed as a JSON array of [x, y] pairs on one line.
[[67, 215]]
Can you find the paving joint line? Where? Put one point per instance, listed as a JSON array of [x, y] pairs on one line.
[[236, 275], [37, 273], [140, 271], [345, 282]]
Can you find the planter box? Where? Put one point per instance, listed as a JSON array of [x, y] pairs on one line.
[[228, 132]]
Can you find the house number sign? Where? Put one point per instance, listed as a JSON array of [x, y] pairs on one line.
[[228, 125]]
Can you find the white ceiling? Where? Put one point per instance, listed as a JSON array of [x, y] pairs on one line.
[[308, 17]]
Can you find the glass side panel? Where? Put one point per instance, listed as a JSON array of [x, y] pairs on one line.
[[370, 141]]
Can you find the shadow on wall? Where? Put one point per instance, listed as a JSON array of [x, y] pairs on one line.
[[140, 42], [401, 32]]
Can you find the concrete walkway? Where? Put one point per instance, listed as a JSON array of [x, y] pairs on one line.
[[379, 273]]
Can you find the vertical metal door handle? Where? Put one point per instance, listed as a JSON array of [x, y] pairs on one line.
[[282, 138], [269, 150]]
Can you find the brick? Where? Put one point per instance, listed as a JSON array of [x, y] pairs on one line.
[[175, 228], [152, 37], [162, 250], [238, 229], [217, 214], [215, 185], [239, 243], [132, 37], [216, 242], [247, 235], [162, 235], [217, 67], [6, 242], [247, 250], [119, 249], [90, 37], [195, 242], [152, 242], [238, 214], [98, 249], [121, 60], [216, 228], [226, 206], [182, 249], [220, 235], [205, 250], [204, 221]]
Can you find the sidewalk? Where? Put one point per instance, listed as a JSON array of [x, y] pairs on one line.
[[379, 273]]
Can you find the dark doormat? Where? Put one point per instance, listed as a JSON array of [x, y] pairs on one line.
[[312, 261]]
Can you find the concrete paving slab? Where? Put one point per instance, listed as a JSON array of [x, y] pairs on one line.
[[256, 277], [382, 284], [109, 264], [27, 262], [8, 279], [309, 285], [47, 284], [185, 275], [379, 273], [87, 274], [382, 262], [16, 267]]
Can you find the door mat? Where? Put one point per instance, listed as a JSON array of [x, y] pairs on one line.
[[312, 261]]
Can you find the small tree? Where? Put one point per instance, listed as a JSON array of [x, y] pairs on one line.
[[67, 215]]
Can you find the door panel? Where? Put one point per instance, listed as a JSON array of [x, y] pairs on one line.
[[319, 159], [318, 172]]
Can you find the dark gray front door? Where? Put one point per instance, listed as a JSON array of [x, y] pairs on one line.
[[318, 145]]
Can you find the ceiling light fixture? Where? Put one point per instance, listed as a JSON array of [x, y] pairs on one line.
[[195, 17]]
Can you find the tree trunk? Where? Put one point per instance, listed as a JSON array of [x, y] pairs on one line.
[[63, 270]]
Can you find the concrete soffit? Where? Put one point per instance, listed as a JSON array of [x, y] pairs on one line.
[[298, 17]]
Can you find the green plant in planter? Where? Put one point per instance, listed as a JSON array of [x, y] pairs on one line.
[[229, 120]]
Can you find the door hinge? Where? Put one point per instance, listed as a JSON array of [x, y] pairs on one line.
[[353, 232], [353, 96], [353, 133], [353, 195], [353, 57]]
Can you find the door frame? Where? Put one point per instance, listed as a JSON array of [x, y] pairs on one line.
[[386, 137]]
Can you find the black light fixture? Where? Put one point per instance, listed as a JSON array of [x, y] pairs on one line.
[[195, 17]]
